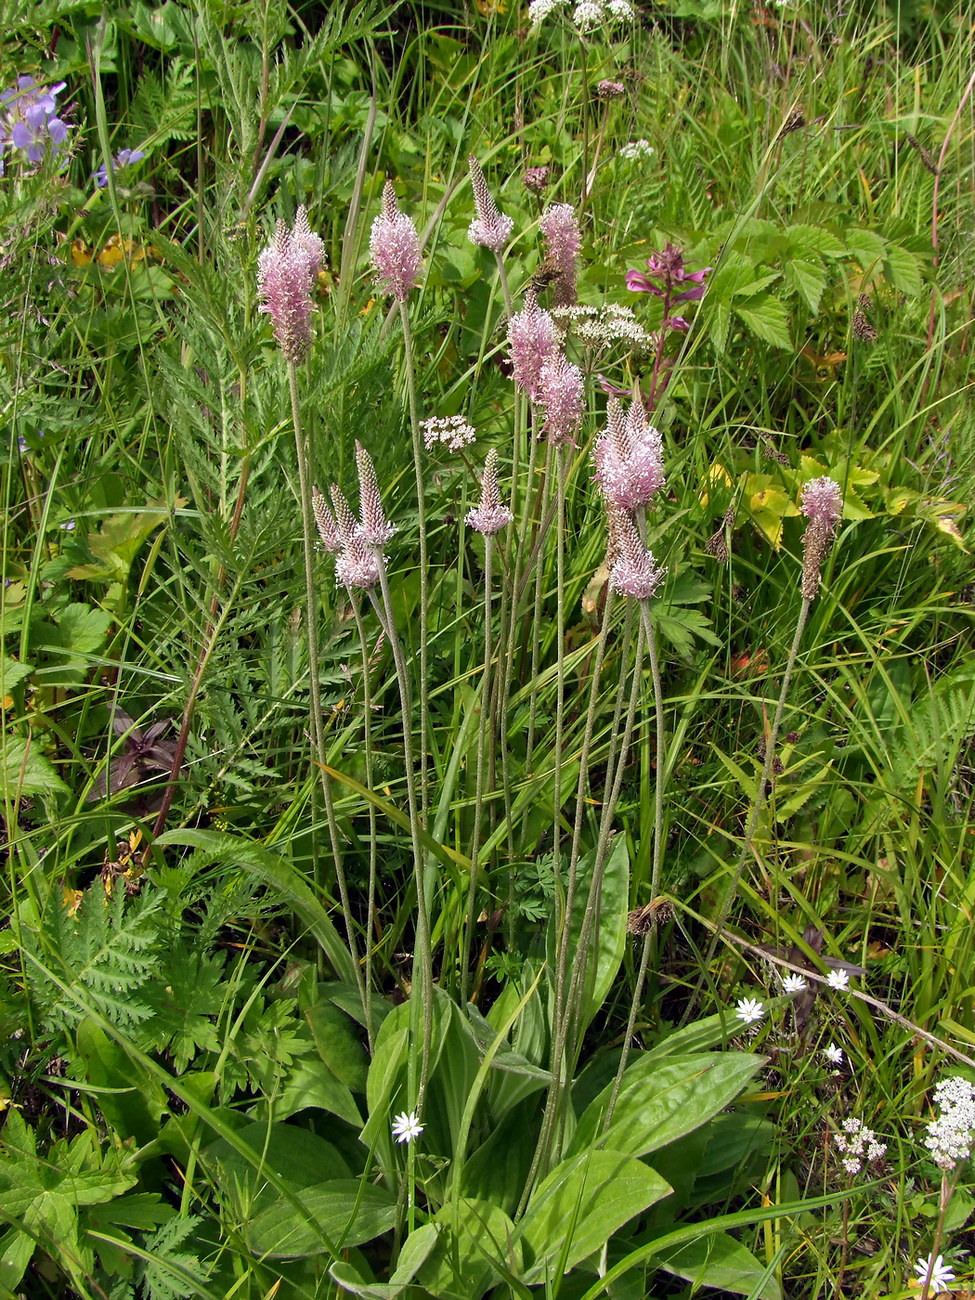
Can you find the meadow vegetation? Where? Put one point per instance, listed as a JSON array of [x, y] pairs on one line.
[[487, 676]]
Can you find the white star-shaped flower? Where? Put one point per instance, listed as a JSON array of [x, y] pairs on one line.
[[833, 1054], [793, 984], [406, 1127], [839, 980], [749, 1011]]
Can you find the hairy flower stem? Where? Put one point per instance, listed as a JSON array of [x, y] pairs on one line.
[[658, 816], [603, 844], [562, 955], [505, 289], [770, 743], [482, 736], [367, 738], [309, 533], [409, 367], [535, 625], [422, 982], [546, 1152]]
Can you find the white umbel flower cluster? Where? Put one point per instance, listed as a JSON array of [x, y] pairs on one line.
[[858, 1144], [950, 1134], [586, 14], [451, 430], [636, 149], [603, 325]]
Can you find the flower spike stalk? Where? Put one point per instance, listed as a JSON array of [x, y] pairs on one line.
[[488, 518], [821, 501], [395, 249], [287, 270]]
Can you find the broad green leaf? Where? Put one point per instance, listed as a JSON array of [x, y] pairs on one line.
[[660, 1101], [697, 1036], [338, 1043], [311, 1084], [720, 1261], [753, 287], [867, 246], [815, 239], [25, 771], [132, 1101], [808, 279], [295, 1154], [767, 318], [416, 1249], [475, 1241], [903, 270], [580, 1205], [349, 1211], [387, 1075], [16, 1252], [12, 671]]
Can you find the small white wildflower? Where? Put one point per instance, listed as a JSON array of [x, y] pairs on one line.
[[749, 1011], [539, 10], [636, 149], [833, 1054], [950, 1135], [793, 984], [451, 430], [588, 14], [857, 1143], [938, 1275], [620, 10], [407, 1126], [839, 980]]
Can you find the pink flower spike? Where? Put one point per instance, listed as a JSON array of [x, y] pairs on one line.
[[394, 246], [375, 529], [490, 516], [635, 572], [822, 500], [629, 458], [327, 527], [563, 243], [562, 395], [489, 228], [286, 274], [533, 338]]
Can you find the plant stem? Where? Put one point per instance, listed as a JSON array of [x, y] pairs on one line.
[[770, 743], [408, 363], [482, 733], [422, 957], [308, 533], [367, 743]]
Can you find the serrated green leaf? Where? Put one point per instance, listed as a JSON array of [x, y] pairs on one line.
[[25, 771], [808, 279], [867, 246], [12, 671], [903, 270], [805, 239], [767, 318]]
